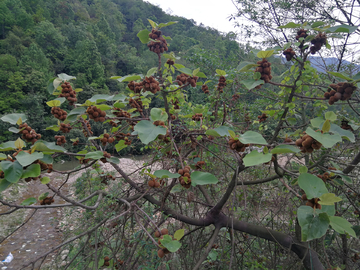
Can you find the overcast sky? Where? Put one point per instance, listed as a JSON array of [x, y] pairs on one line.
[[213, 13]]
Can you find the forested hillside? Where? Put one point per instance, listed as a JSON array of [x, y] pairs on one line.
[[92, 40]]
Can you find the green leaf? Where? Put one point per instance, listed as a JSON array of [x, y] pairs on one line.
[[179, 234], [252, 137], [327, 140], [73, 114], [151, 71], [34, 170], [257, 76], [317, 24], [43, 196], [19, 143], [129, 78], [347, 134], [177, 188], [223, 130], [143, 35], [65, 77], [256, 158], [313, 226], [101, 98], [48, 147], [250, 83], [120, 145], [283, 149], [29, 201], [13, 118], [165, 174], [94, 155], [45, 180], [186, 71], [232, 134], [7, 146], [246, 66], [50, 88], [331, 116], [201, 75], [202, 178], [313, 186], [329, 199], [265, 54], [14, 130], [158, 114], [114, 160], [171, 245], [195, 71], [341, 225], [148, 132], [4, 184], [326, 126], [328, 209], [212, 132], [303, 169], [12, 170], [53, 127], [78, 90], [343, 28], [161, 25], [103, 107], [339, 75], [26, 159], [316, 122], [290, 25], [221, 72], [3, 156], [152, 23]]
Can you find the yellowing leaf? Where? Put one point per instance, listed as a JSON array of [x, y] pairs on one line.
[[19, 121], [19, 143], [54, 103], [265, 54], [329, 199]]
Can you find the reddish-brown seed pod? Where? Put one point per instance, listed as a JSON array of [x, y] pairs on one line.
[[161, 253], [164, 231], [157, 234], [151, 183]]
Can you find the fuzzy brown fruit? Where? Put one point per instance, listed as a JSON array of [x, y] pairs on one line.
[[164, 231], [157, 234], [161, 253]]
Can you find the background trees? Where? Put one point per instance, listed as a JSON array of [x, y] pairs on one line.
[[225, 202]]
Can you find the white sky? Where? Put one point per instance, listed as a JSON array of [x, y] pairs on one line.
[[213, 13]]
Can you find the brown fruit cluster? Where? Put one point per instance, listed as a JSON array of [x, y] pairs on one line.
[[247, 118], [107, 139], [68, 93], [222, 83], [197, 117], [166, 137], [121, 113], [289, 54], [106, 261], [318, 42], [65, 128], [84, 161], [154, 183], [60, 140], [307, 144], [237, 145], [106, 155], [59, 113], [88, 126], [185, 173], [314, 202], [136, 103], [113, 124], [136, 87], [173, 117], [345, 125], [265, 69], [49, 168], [121, 136], [160, 235], [170, 62], [176, 104], [160, 44], [28, 134], [118, 264], [235, 97], [287, 140], [31, 178], [205, 88], [262, 118], [215, 246], [96, 114], [107, 177], [47, 201], [301, 34], [325, 176], [150, 84], [75, 143], [199, 165], [340, 91]]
